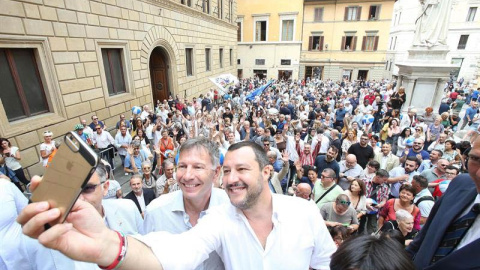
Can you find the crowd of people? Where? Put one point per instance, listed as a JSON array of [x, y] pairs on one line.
[[367, 163]]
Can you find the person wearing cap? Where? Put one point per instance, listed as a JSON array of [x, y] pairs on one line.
[[47, 147], [79, 129]]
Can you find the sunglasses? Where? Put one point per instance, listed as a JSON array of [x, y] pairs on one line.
[[95, 118], [266, 144], [88, 189], [344, 202]]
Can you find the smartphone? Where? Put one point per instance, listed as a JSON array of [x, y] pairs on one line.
[[66, 176]]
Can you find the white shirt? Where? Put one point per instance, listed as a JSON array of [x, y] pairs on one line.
[[226, 230], [48, 150], [141, 202], [425, 206], [167, 213], [103, 140], [11, 161]]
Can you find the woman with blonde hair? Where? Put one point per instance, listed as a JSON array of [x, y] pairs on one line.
[[350, 139], [398, 98]]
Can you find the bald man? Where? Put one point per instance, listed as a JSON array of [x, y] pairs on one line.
[[349, 171], [303, 191]]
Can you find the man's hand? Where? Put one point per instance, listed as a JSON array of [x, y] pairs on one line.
[[285, 156], [130, 150], [171, 182], [84, 236]]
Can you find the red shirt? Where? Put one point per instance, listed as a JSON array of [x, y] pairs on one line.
[[370, 98], [454, 95]]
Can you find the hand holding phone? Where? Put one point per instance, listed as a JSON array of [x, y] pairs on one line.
[[66, 175]]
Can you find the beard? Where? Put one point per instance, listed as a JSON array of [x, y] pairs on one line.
[[253, 193]]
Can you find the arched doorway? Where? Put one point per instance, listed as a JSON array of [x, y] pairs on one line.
[[159, 75]]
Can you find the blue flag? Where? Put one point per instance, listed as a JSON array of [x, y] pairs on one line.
[[258, 91]]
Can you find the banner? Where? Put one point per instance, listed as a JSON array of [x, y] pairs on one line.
[[258, 91], [224, 82]]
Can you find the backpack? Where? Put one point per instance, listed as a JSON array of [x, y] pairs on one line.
[[424, 198]]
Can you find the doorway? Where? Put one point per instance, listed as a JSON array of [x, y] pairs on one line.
[[260, 73], [159, 75], [284, 75], [362, 75]]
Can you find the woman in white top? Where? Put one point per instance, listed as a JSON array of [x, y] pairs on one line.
[[11, 154], [47, 147], [356, 192]]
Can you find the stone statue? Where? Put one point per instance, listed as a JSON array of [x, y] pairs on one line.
[[432, 24]]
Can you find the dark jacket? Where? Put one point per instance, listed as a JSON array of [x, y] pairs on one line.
[[148, 196]]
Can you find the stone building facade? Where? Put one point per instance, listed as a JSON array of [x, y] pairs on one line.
[[65, 60], [269, 38], [462, 40], [345, 39]]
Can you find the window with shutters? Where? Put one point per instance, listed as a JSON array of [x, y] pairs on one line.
[[352, 13], [462, 43], [231, 57], [113, 65], [374, 13], [238, 61], [22, 92], [261, 31], [287, 30], [349, 43], [318, 15], [315, 43], [471, 14], [370, 43]]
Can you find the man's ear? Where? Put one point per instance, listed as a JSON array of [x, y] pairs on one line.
[[105, 187]]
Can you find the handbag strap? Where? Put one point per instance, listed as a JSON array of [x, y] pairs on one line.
[[324, 194]]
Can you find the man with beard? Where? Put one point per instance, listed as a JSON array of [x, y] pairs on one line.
[[416, 151], [140, 196], [266, 223], [435, 155], [400, 175], [362, 151], [323, 162]]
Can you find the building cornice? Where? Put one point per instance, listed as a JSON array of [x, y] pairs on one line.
[[190, 11]]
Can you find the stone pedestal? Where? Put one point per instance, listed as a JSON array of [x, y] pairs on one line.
[[424, 75]]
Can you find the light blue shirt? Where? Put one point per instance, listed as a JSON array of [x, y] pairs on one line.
[[398, 171], [167, 213], [138, 160], [119, 140]]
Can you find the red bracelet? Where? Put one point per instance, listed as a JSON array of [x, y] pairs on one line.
[[121, 253]]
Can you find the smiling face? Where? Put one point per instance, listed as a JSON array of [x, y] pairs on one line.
[[406, 196], [195, 173], [406, 225], [243, 178], [136, 185]]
